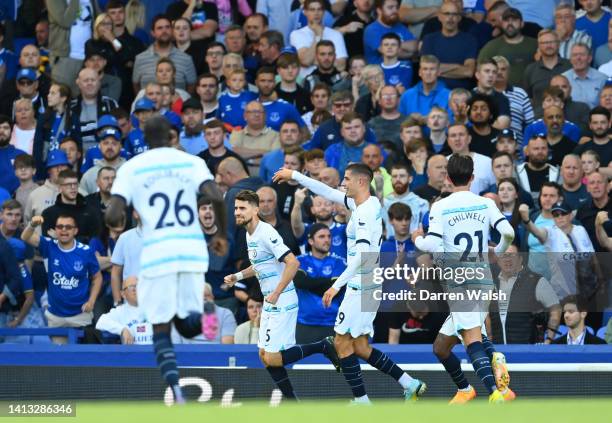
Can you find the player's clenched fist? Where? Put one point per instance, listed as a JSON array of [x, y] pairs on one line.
[[37, 221], [283, 175], [329, 296], [524, 212], [230, 279]]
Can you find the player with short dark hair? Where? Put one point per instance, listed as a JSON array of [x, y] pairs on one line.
[[162, 184], [275, 266], [353, 324], [459, 225]]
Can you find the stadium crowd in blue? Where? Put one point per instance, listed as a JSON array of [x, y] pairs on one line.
[[250, 86]]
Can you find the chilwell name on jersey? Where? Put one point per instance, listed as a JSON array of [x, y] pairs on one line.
[[460, 215]]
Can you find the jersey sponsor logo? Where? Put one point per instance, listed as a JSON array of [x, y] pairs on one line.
[[63, 282], [78, 266]]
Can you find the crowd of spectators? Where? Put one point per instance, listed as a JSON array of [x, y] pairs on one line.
[[249, 86]]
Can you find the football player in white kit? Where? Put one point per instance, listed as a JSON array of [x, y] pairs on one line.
[[162, 184], [459, 227], [275, 266], [353, 324]]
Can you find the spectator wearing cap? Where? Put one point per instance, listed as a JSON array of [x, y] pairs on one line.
[[135, 142], [52, 126], [538, 74], [110, 147], [110, 85], [325, 70], [574, 316], [586, 82], [192, 137], [94, 154], [88, 107], [26, 83], [45, 195], [34, 58], [144, 65], [387, 21], [521, 111], [517, 48], [536, 170], [8, 153], [456, 50], [428, 92], [599, 124], [352, 25], [563, 237], [288, 68], [314, 277], [305, 39], [507, 142]]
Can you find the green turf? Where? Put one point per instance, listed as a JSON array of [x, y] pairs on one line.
[[425, 411]]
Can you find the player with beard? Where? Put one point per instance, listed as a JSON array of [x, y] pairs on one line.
[[387, 21], [482, 114], [322, 210], [275, 266], [400, 179], [513, 45]]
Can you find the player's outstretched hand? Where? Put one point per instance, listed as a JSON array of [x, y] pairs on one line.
[[329, 296], [37, 221], [524, 212], [230, 280], [272, 298], [282, 175]]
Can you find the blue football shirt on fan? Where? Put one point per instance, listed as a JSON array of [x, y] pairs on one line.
[[231, 108], [311, 311], [400, 73], [279, 111], [68, 274], [135, 142], [338, 239]]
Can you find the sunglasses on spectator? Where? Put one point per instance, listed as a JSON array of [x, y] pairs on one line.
[[25, 82], [559, 214], [65, 227]]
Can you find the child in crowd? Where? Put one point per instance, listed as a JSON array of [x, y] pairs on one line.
[[233, 103], [590, 163], [24, 171], [135, 143]]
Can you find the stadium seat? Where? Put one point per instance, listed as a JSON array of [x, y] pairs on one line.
[[561, 330], [601, 333], [590, 330], [607, 314]]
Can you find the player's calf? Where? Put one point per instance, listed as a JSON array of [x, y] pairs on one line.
[[166, 360], [274, 365]]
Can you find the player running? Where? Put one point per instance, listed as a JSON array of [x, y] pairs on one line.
[[364, 235], [275, 266], [162, 184], [459, 227]]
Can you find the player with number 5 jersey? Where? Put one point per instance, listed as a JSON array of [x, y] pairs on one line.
[[162, 184]]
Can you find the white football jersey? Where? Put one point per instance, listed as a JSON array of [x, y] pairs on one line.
[[462, 220], [162, 185], [266, 250], [365, 225]]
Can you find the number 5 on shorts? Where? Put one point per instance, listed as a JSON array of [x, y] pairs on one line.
[[268, 335], [340, 318]]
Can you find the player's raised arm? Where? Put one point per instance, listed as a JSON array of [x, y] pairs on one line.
[[210, 190], [292, 265], [539, 233], [319, 188], [115, 212]]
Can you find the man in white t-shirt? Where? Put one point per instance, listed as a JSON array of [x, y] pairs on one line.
[[459, 140], [305, 39], [162, 184]]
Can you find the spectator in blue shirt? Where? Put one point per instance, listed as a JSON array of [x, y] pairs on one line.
[[289, 136], [397, 72], [10, 281], [74, 277], [10, 59], [314, 277], [135, 143], [428, 92], [233, 102], [350, 150], [456, 50], [594, 22], [8, 152], [388, 21]]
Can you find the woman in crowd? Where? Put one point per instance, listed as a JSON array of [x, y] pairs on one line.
[[25, 126]]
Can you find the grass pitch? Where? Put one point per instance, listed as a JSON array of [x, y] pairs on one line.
[[424, 411]]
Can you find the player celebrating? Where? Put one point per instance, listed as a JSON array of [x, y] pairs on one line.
[[275, 267], [162, 184], [364, 234], [459, 225]]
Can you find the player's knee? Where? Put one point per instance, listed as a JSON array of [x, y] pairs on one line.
[[440, 350]]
